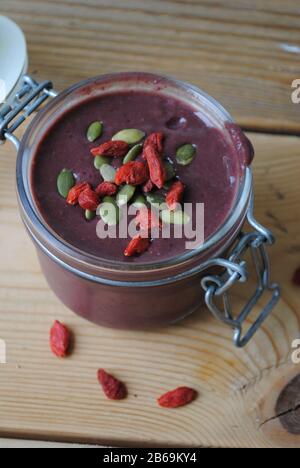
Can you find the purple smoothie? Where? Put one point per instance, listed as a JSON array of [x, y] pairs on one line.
[[212, 178]]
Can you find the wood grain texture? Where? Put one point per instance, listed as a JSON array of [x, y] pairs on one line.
[[245, 53], [22, 443], [60, 400]]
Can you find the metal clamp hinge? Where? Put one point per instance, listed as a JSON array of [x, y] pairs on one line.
[[235, 270], [28, 99]]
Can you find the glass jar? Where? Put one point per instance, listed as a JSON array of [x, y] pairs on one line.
[[138, 296]]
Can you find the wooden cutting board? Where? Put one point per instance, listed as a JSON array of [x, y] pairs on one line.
[[45, 398]]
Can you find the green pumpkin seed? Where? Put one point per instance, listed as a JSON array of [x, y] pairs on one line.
[[174, 217], [94, 131], [108, 172], [65, 182], [89, 215], [133, 153], [155, 199], [99, 161], [129, 135], [125, 194], [109, 211], [139, 201], [170, 171], [185, 154]]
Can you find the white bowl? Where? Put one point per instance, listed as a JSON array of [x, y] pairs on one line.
[[13, 58]]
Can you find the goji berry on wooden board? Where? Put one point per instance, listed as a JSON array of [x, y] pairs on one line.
[[174, 195], [106, 189], [132, 173], [113, 149], [181, 396], [75, 191], [296, 277], [59, 339], [137, 245], [89, 199], [113, 388]]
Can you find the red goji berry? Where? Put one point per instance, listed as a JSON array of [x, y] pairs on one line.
[[296, 277], [148, 186], [113, 149], [113, 388], [59, 339], [155, 140], [106, 189], [75, 191], [179, 397], [137, 245], [133, 173], [174, 195], [156, 166], [89, 200], [147, 220]]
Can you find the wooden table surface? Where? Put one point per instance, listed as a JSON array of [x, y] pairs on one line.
[[246, 54]]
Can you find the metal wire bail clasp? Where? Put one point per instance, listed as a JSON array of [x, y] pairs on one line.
[[26, 101], [236, 271]]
